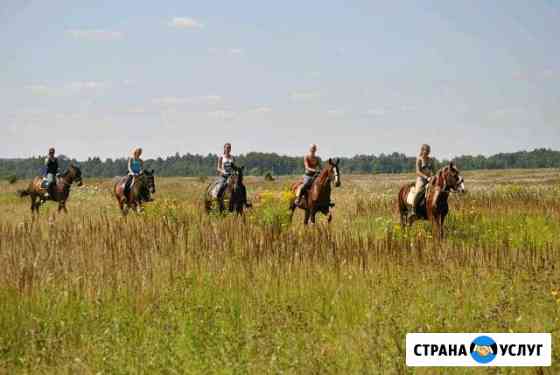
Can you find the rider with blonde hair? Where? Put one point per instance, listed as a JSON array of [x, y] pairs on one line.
[[424, 171], [312, 166], [135, 168]]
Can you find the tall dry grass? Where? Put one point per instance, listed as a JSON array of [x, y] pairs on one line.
[[175, 291]]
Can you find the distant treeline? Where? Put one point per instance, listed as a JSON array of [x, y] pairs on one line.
[[257, 163]]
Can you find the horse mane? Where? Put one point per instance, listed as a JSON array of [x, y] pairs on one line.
[[323, 175]]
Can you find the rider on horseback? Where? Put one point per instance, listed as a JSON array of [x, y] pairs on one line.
[[424, 171], [51, 170], [135, 168], [312, 168], [225, 169]]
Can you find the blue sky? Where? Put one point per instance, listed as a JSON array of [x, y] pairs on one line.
[[100, 77]]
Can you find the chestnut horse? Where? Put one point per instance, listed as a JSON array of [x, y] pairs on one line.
[[142, 186], [59, 192], [318, 196], [235, 191], [434, 207]]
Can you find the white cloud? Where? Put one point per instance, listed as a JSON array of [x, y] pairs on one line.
[[67, 89], [104, 35], [375, 112], [40, 89], [409, 108], [226, 51], [262, 109], [185, 23], [300, 96], [222, 114], [336, 112], [173, 100], [87, 85], [501, 113]]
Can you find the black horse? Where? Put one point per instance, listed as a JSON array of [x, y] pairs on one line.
[[234, 193]]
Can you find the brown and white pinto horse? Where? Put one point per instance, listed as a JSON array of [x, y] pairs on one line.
[[434, 207], [318, 196], [60, 191]]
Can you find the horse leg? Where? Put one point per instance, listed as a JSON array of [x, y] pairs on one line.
[[32, 203], [306, 218], [313, 213], [441, 230], [436, 227]]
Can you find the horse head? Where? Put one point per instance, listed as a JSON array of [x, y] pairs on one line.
[[334, 171], [450, 179], [150, 181], [239, 171], [75, 173]]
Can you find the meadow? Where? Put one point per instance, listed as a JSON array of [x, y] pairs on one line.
[[172, 290]]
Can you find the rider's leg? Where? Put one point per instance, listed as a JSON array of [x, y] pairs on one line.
[[419, 191], [50, 182], [127, 184], [223, 184], [307, 180]]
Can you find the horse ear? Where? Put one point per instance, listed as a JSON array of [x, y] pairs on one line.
[[337, 161], [330, 161], [451, 164]]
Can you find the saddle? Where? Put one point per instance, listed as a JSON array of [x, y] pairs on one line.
[[214, 188], [412, 193], [45, 183]]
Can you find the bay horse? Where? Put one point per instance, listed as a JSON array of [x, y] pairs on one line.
[[235, 190], [142, 187], [434, 207], [59, 191], [318, 196]]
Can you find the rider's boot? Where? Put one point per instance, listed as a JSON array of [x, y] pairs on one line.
[[299, 199], [414, 211]]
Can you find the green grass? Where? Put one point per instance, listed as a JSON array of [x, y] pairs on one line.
[[174, 291]]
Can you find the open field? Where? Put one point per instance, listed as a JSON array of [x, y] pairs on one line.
[[172, 290]]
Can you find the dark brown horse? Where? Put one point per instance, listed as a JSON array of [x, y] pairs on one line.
[[235, 193], [140, 191], [434, 207], [59, 192], [318, 196]]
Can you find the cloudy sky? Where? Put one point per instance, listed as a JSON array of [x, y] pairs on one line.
[[96, 77]]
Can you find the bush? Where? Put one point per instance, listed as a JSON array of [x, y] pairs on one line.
[[12, 179], [272, 208], [268, 177]]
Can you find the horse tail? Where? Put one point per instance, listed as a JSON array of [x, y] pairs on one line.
[[403, 192], [23, 193]]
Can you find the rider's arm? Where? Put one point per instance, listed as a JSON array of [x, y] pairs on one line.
[[130, 166]]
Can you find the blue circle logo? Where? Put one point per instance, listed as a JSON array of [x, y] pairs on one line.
[[483, 349]]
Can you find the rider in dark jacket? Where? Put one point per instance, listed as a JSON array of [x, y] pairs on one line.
[[51, 170]]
